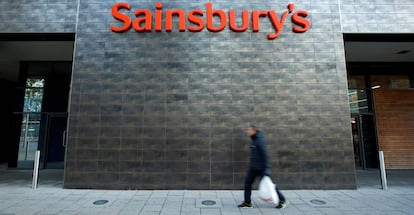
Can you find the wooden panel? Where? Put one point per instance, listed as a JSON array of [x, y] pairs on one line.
[[394, 110]]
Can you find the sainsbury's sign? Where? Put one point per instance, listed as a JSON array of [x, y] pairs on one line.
[[200, 19]]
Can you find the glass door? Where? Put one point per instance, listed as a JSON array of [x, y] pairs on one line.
[[369, 141], [365, 141], [356, 139], [31, 122], [55, 142]]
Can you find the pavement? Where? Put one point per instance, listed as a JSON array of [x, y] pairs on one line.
[[17, 197]]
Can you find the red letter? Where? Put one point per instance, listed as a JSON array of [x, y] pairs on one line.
[[245, 21], [210, 14], [158, 17], [278, 25], [168, 19], [299, 19], [121, 17], [147, 19], [196, 20], [255, 19]]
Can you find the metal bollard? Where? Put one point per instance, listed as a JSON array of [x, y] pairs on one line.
[[36, 170], [382, 170]]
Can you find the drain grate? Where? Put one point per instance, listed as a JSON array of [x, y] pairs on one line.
[[317, 202], [100, 202], [208, 202]]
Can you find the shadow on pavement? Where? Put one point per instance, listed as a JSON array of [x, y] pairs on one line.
[[371, 178], [54, 178], [23, 178]]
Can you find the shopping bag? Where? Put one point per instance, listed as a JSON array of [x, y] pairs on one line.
[[267, 190]]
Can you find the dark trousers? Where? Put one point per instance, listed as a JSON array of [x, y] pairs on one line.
[[251, 176]]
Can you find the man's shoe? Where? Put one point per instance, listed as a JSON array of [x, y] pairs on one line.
[[245, 205], [282, 204]]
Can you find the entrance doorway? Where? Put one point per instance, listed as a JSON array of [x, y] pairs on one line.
[[44, 116], [365, 141], [35, 78], [45, 132], [364, 135], [380, 82], [56, 141]]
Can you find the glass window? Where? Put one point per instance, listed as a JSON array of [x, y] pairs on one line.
[[30, 128], [358, 101], [390, 81], [33, 95], [356, 81]]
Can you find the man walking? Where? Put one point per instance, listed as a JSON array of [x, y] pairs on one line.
[[259, 166]]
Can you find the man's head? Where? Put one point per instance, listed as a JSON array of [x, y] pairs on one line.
[[251, 130]]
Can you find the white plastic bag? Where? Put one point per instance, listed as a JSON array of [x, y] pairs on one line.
[[267, 190]]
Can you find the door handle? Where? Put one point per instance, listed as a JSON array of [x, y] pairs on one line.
[[64, 138]]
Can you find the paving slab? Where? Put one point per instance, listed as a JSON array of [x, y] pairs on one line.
[[17, 198]]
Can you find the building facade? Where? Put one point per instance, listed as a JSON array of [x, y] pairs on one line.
[[153, 108]]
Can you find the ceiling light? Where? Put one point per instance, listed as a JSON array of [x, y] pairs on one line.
[[403, 51], [375, 87]]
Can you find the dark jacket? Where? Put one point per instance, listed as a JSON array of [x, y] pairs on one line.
[[258, 153]]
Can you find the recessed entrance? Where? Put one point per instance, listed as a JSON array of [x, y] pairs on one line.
[[35, 76], [381, 96], [44, 113]]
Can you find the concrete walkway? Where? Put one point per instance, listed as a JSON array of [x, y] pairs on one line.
[[17, 197]]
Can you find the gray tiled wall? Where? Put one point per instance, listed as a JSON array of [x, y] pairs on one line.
[[38, 16], [168, 110], [377, 16]]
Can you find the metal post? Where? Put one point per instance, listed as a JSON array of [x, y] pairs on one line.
[[382, 170], [26, 130], [36, 169]]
